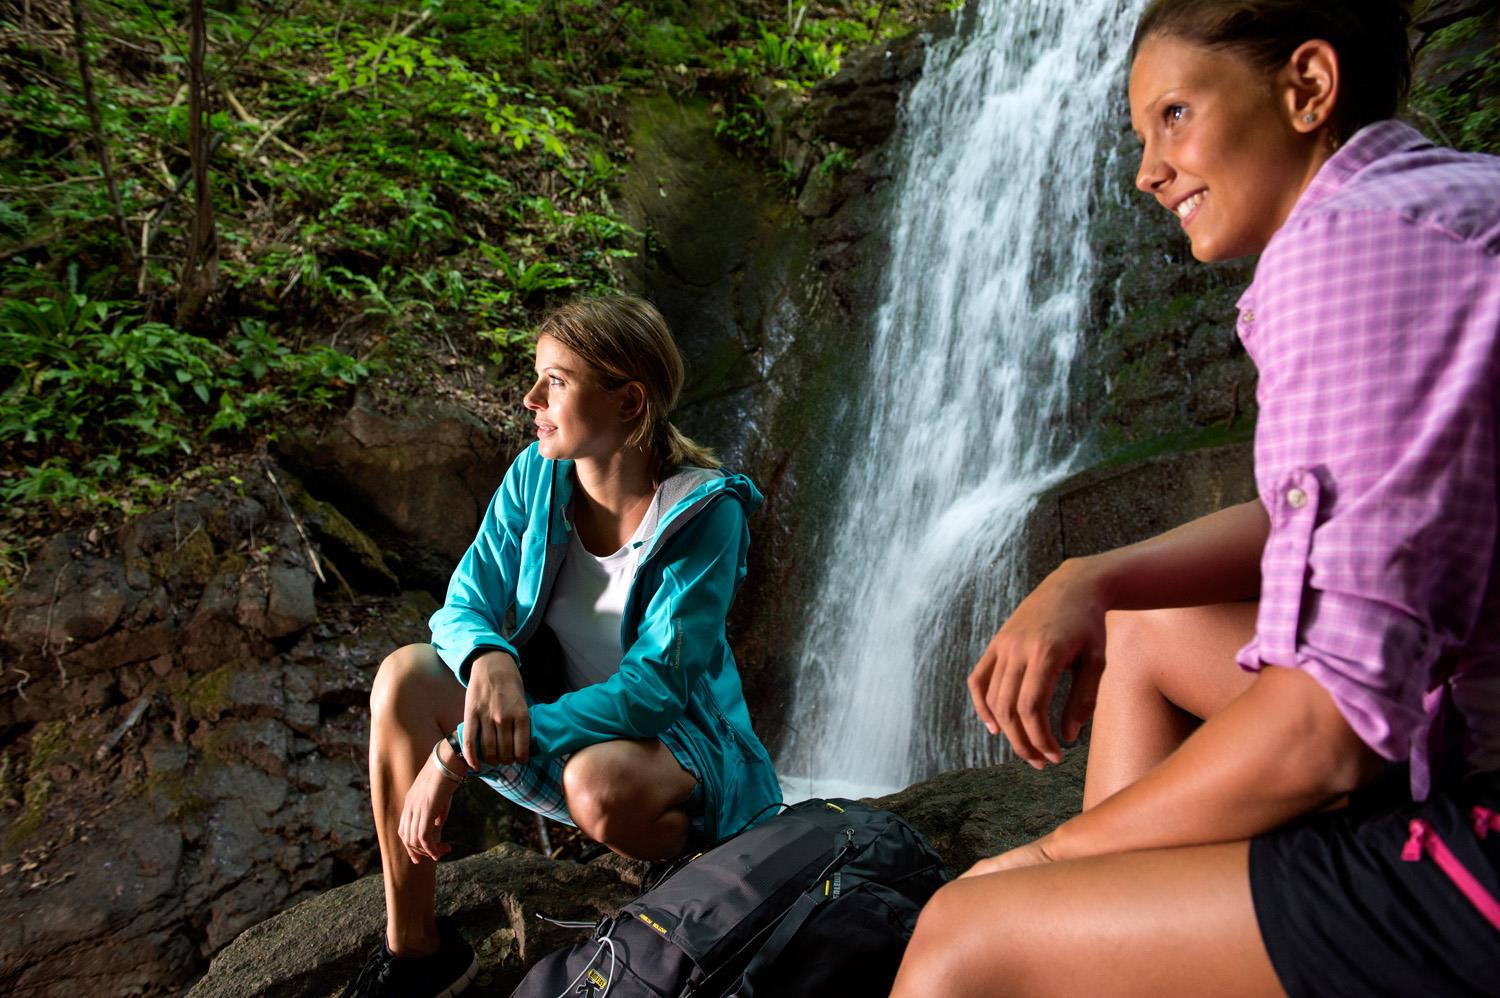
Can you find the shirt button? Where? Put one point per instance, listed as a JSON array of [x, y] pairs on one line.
[[1248, 316], [1296, 498]]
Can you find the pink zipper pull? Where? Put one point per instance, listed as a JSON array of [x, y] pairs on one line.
[[1424, 838], [1485, 821], [1412, 851]]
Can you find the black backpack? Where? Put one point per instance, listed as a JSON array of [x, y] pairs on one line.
[[819, 900]]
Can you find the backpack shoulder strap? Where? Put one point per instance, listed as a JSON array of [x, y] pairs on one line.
[[792, 921]]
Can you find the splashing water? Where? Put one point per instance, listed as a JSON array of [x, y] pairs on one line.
[[956, 428]]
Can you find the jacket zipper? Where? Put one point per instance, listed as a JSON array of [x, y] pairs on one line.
[[1425, 839]]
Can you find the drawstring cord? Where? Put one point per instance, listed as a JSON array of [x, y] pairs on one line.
[[609, 980]]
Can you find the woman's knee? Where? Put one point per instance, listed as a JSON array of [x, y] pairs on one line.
[[616, 789], [403, 676], [934, 962], [1185, 654], [597, 788], [1131, 637]]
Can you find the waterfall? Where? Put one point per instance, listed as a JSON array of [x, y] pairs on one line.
[[954, 429]]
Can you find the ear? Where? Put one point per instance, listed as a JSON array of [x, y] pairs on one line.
[[632, 401], [1311, 85]]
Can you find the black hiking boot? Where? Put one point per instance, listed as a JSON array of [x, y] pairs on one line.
[[441, 975]]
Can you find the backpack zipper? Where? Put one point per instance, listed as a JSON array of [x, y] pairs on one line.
[[1425, 839]]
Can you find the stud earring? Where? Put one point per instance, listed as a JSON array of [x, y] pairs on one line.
[[1310, 117]]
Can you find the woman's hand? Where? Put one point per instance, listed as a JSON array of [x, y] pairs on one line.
[[425, 813], [497, 721], [1060, 625], [1031, 854]]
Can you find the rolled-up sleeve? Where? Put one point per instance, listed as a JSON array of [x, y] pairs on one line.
[[1375, 336]]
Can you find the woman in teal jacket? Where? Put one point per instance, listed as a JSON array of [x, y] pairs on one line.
[[615, 545]]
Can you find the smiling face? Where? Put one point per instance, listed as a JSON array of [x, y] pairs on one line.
[[576, 417], [1226, 146]]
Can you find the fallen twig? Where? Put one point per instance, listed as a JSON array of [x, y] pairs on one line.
[[269, 135], [197, 528], [136, 713], [47, 630], [270, 131], [312, 553]]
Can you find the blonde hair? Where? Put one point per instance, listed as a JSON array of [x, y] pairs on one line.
[[624, 338]]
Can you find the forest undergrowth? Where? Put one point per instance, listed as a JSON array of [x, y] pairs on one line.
[[218, 220]]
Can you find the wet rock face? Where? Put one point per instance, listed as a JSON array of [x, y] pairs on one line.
[[858, 108], [770, 298], [185, 726]]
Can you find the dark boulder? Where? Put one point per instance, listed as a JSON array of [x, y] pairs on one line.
[[417, 480], [314, 948], [858, 107]]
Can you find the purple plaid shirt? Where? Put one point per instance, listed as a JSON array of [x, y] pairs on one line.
[[1374, 319]]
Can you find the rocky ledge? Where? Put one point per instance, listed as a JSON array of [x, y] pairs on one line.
[[313, 949]]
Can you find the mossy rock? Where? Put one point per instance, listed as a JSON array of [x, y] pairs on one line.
[[185, 805], [205, 695], [48, 740], [37, 793], [354, 557], [195, 562]]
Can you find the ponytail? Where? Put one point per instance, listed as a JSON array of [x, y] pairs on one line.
[[675, 451]]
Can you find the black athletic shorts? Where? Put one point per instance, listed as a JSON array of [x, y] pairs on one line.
[[1395, 899]]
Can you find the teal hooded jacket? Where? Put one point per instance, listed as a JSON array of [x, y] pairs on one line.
[[677, 680]]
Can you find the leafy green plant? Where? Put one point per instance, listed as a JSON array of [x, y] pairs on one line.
[[1466, 110], [798, 61], [744, 124], [386, 174], [520, 116], [835, 163], [94, 391], [528, 279]]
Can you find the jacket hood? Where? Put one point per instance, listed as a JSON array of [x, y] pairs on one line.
[[684, 495]]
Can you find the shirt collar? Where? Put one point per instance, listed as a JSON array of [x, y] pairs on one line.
[[1371, 143]]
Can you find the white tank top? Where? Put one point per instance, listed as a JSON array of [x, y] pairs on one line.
[[588, 601]]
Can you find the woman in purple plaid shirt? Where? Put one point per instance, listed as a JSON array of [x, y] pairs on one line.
[[1260, 674]]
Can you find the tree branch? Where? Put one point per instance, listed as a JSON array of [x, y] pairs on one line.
[[80, 37], [200, 269]]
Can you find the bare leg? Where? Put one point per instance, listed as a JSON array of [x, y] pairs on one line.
[[1166, 671], [629, 795], [1163, 922], [415, 701]]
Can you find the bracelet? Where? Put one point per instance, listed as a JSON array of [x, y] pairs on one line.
[[438, 762]]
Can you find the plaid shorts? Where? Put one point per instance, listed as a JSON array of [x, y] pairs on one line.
[[536, 785]]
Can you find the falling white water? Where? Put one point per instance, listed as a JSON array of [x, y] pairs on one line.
[[953, 432]]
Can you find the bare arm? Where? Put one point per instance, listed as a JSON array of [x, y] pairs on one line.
[[1280, 750], [1214, 559]]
